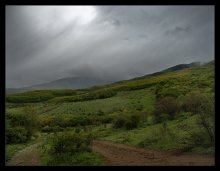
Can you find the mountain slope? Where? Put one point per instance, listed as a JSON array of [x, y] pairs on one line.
[[173, 68], [71, 82], [173, 83], [86, 82]]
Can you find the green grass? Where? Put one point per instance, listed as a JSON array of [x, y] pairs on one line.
[[154, 137], [130, 97], [124, 100], [78, 159], [37, 96]]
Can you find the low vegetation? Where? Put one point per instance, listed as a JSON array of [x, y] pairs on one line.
[[21, 125], [70, 148], [172, 110]]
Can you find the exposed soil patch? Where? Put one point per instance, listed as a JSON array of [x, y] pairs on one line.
[[30, 156], [120, 154]]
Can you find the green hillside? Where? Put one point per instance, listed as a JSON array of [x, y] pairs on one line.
[[170, 110]]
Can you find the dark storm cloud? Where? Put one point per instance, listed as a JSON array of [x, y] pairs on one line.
[[46, 43]]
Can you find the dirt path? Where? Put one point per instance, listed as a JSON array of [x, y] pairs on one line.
[[120, 154], [30, 156]]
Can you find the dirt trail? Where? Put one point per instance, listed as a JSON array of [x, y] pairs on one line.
[[30, 156], [120, 154]]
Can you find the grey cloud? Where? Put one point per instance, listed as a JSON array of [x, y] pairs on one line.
[[142, 36], [178, 30], [121, 42], [116, 23]]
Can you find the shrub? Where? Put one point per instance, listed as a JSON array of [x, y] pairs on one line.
[[16, 135], [160, 117], [46, 121], [132, 122], [26, 118], [166, 105], [70, 142], [205, 135], [193, 138], [106, 119], [129, 122], [206, 117], [100, 113], [51, 129], [33, 120], [193, 101], [59, 121], [148, 141], [173, 92], [167, 91], [119, 122], [69, 148]]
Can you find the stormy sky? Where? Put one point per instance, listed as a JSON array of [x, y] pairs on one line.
[[46, 43]]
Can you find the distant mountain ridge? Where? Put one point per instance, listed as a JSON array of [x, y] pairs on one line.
[[171, 69], [70, 82], [178, 67], [86, 82]]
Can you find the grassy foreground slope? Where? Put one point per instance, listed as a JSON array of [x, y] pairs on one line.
[[170, 110]]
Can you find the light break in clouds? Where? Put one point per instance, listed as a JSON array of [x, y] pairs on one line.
[[45, 43]]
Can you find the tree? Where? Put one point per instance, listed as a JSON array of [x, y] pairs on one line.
[[32, 122], [192, 102], [166, 106], [206, 111], [205, 136]]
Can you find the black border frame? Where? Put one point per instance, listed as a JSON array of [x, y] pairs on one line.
[[96, 2]]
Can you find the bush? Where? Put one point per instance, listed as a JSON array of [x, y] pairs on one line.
[[148, 141], [166, 105], [51, 129], [69, 148], [60, 121], [204, 135], [206, 118], [16, 135], [160, 117], [203, 105], [132, 122], [129, 122], [193, 101], [26, 118], [33, 121], [167, 88], [119, 122], [70, 142], [106, 119], [193, 138]]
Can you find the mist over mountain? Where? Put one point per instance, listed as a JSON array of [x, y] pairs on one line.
[[71, 82], [86, 82]]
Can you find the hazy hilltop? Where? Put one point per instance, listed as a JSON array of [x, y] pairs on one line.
[[71, 82], [86, 82], [173, 81]]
